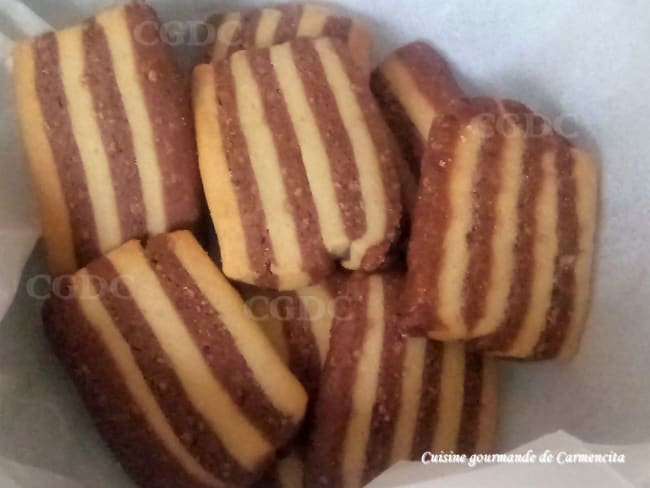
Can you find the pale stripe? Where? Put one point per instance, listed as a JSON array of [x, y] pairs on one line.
[[415, 350], [455, 252], [263, 308], [215, 176], [265, 163], [544, 255], [319, 305], [278, 384], [290, 471], [55, 219], [586, 178], [488, 409], [262, 305], [504, 233], [268, 24], [312, 20], [404, 88], [239, 437], [313, 151], [126, 73], [24, 18], [225, 34], [88, 137], [452, 398], [119, 350], [365, 153], [364, 392], [359, 42]]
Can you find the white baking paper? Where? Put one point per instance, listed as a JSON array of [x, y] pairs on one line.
[[584, 64]]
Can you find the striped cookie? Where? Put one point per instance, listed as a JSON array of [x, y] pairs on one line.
[[265, 27], [503, 233], [298, 324], [110, 144], [180, 380], [386, 398], [413, 87], [297, 164]]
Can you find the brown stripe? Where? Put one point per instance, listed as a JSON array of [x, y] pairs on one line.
[[218, 346], [258, 240], [430, 221], [60, 135], [315, 257], [406, 134], [472, 395], [304, 356], [431, 74], [336, 139], [250, 25], [101, 385], [287, 29], [166, 95], [428, 412], [190, 426], [337, 27], [389, 388], [561, 310], [113, 124], [387, 155], [523, 275], [486, 187], [334, 406]]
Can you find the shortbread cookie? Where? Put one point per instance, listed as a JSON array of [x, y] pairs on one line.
[[298, 324], [503, 233], [180, 380], [386, 398], [108, 131], [413, 86], [297, 163], [265, 27]]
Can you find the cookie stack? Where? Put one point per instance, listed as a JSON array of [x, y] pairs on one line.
[[382, 239]]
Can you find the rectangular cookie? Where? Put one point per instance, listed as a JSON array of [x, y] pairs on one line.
[[265, 27], [298, 166], [503, 233], [180, 380], [385, 398], [108, 131]]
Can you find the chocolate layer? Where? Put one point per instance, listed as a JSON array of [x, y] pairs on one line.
[[487, 184], [308, 232], [337, 27], [334, 408], [101, 385], [431, 217], [54, 106], [189, 424], [337, 142], [427, 418], [217, 345], [166, 96], [113, 124], [258, 241], [473, 393], [287, 29]]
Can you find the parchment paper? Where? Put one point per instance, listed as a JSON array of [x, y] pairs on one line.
[[586, 61]]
